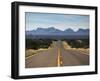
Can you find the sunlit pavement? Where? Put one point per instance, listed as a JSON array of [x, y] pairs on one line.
[[59, 55]]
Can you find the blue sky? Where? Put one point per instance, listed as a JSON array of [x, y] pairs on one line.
[[59, 21]]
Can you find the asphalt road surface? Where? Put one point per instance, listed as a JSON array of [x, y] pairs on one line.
[[57, 56]]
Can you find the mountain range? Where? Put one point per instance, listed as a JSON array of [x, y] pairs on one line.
[[54, 31]]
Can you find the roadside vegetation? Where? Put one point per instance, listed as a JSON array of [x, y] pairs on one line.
[[38, 43], [34, 46], [45, 43], [82, 43]]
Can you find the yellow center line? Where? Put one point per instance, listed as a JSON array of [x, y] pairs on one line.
[[59, 60]]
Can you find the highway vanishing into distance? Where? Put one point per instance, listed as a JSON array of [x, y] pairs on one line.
[[57, 56]]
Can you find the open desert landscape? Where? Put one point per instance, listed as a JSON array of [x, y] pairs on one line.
[[58, 54]]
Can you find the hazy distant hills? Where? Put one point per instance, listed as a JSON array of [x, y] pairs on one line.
[[54, 31]]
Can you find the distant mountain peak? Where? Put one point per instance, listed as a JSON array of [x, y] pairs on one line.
[[39, 28], [82, 30], [69, 29], [55, 31], [51, 27]]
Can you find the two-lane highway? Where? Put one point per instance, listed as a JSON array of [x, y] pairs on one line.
[[58, 55]]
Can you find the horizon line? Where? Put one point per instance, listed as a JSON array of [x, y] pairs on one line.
[[58, 29]]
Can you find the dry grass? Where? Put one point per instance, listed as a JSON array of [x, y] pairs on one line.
[[31, 52], [66, 45], [82, 50]]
